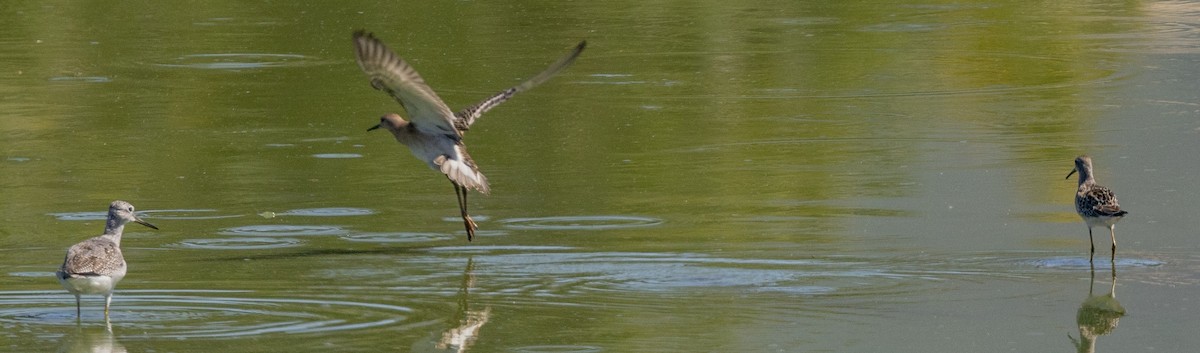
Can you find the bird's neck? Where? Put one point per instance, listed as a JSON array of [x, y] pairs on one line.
[[113, 229], [1085, 177]]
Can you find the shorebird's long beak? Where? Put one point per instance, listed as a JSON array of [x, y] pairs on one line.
[[140, 221], [1071, 173], [374, 127]]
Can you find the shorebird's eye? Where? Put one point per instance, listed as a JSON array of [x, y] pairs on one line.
[[131, 210]]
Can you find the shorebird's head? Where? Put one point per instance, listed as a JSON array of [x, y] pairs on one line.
[[123, 212], [1083, 165], [390, 122]]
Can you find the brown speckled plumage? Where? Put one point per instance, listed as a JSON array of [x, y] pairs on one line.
[[94, 266], [1097, 205]]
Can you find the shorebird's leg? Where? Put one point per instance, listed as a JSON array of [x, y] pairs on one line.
[[1113, 234], [107, 302], [460, 193], [1093, 242], [77, 313]]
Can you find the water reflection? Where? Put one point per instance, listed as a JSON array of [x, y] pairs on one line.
[[1098, 315], [460, 338], [91, 339]]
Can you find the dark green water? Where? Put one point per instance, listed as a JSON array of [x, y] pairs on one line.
[[772, 176]]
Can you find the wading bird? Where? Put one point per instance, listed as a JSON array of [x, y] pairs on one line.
[[94, 266], [1097, 205]]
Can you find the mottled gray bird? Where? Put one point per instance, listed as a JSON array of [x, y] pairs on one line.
[[94, 266], [433, 132], [1097, 205]]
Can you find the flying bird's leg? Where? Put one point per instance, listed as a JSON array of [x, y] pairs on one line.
[[460, 193]]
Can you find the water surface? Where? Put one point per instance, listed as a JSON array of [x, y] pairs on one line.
[[771, 176]]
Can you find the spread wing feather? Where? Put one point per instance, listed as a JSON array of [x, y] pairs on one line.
[[466, 117], [391, 74]]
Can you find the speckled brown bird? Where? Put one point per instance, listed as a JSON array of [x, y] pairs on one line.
[[433, 133]]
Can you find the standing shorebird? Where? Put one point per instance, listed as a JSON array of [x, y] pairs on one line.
[[94, 266], [434, 134], [1097, 205]]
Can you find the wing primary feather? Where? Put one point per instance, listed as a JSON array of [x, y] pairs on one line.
[[467, 117]]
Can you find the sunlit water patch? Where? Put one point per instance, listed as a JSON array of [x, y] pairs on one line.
[[581, 222], [271, 230], [239, 243], [195, 314], [239, 61]]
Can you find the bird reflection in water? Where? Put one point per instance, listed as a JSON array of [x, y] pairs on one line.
[[88, 339], [1098, 315], [460, 338]]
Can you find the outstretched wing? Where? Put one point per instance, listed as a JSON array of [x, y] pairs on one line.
[[466, 117], [391, 74]]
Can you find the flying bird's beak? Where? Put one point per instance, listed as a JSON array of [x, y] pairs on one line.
[[140, 221], [374, 127], [1071, 173]]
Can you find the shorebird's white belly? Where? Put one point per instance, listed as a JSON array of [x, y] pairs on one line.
[[1100, 221], [90, 284], [428, 148]]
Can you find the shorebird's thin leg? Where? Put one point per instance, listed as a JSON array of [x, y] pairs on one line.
[[1093, 242], [1113, 234], [460, 193], [77, 312], [107, 302]]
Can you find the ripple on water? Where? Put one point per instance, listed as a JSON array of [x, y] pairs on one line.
[[1081, 263], [239, 61], [199, 314], [581, 222], [185, 214], [88, 79], [396, 237], [190, 214], [327, 212], [240, 243], [271, 230], [558, 349], [80, 216], [337, 155], [662, 272]]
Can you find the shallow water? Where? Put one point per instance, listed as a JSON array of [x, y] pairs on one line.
[[714, 176]]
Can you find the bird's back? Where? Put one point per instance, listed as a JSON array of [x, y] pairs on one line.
[[1095, 201], [98, 256]]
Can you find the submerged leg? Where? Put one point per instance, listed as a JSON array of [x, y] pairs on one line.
[[460, 193], [77, 312]]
